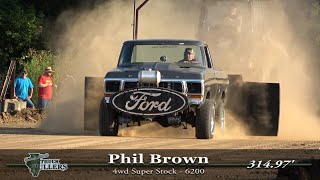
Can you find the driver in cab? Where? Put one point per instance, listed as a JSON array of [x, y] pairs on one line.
[[188, 56]]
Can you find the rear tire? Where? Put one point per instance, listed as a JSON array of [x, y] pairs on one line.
[[205, 120], [108, 124]]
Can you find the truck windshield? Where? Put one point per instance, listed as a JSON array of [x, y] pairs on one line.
[[161, 53]]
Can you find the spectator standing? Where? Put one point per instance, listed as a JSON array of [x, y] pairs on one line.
[[22, 86], [45, 88]]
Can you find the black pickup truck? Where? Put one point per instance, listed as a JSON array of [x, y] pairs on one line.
[[175, 83]]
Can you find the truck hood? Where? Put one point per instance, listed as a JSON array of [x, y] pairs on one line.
[[167, 70]]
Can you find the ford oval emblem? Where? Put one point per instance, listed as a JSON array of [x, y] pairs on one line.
[[149, 101]]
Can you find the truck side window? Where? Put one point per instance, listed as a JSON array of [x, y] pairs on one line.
[[209, 62]]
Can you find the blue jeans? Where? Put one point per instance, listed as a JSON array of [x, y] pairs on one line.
[[43, 103], [29, 102]]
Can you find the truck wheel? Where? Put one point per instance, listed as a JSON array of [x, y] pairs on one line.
[[205, 120], [221, 116], [108, 125]]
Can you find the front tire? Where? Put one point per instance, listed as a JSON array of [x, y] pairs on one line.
[[108, 124], [205, 120]]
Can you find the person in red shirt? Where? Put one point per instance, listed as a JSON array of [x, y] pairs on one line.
[[45, 88]]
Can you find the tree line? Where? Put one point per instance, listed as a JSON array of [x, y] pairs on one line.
[[22, 27]]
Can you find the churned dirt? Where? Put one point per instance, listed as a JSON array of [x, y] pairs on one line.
[[22, 119], [15, 138], [22, 130]]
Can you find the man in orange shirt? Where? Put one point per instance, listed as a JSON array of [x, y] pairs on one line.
[[45, 88]]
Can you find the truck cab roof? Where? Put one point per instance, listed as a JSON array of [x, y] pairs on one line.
[[164, 41]]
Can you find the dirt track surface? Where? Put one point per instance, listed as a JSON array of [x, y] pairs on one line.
[[29, 130], [25, 130], [85, 145], [30, 138]]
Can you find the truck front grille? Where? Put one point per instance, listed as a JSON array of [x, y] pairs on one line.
[[192, 87], [171, 85], [168, 85], [128, 85]]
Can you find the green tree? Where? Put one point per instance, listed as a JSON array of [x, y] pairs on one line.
[[20, 29]]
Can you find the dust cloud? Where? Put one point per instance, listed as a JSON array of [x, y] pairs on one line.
[[284, 57], [298, 119], [90, 42]]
